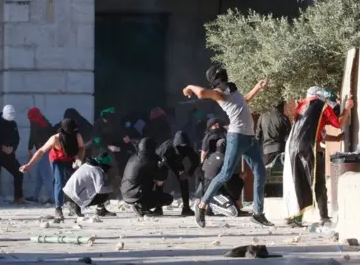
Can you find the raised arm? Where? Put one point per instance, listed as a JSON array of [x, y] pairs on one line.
[[202, 93], [253, 92]]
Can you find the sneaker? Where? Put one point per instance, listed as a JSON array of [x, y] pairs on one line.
[[293, 223], [102, 211], [243, 213], [325, 222], [200, 216], [209, 211], [59, 214], [74, 209], [186, 211], [260, 219], [158, 212], [137, 210], [32, 199]]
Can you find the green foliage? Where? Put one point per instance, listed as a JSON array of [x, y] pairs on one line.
[[294, 54]]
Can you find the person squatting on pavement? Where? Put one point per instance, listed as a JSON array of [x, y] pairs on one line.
[[9, 142], [143, 172], [40, 131], [108, 137], [304, 164], [228, 199], [214, 132], [65, 148], [240, 140], [89, 184], [182, 161]]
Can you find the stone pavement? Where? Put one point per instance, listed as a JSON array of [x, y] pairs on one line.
[[166, 240]]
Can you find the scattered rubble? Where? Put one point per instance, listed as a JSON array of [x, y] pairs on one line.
[[120, 246], [215, 243], [44, 225]]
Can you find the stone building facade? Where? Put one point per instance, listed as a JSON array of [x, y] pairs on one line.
[[48, 58]]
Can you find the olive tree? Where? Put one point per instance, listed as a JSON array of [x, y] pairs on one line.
[[293, 54]]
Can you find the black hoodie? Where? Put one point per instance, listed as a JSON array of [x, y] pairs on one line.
[[179, 154], [141, 172], [9, 134]]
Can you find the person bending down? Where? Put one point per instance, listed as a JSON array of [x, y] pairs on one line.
[[143, 172], [182, 161], [240, 139], [228, 199], [89, 184]]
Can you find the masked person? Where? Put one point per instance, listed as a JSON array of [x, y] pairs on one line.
[[272, 131], [89, 184], [240, 139], [304, 169], [182, 161], [143, 172], [65, 148], [228, 199], [158, 127], [108, 137], [214, 132], [40, 131], [85, 127], [9, 142]]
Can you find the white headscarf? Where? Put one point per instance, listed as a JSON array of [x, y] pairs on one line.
[[316, 91], [8, 113]]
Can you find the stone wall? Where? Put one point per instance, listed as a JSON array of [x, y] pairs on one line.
[[47, 61]]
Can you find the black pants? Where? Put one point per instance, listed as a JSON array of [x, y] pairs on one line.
[[184, 190], [12, 165], [268, 158], [155, 199], [232, 188], [320, 186]]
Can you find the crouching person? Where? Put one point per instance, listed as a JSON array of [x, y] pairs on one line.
[[89, 185], [143, 172], [228, 199]]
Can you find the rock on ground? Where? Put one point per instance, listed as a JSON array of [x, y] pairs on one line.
[[162, 240]]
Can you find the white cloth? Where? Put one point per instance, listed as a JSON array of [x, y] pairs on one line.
[[8, 113], [85, 183]]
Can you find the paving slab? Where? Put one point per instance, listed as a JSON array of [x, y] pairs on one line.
[[170, 239]]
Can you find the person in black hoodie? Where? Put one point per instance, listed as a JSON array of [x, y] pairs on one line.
[[228, 199], [9, 142], [182, 161], [143, 172], [214, 132]]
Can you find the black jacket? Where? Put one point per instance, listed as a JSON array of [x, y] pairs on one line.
[[210, 139], [9, 134], [179, 154], [272, 131], [39, 135], [141, 171], [212, 165]]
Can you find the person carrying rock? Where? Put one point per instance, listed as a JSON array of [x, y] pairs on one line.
[[240, 139], [182, 161], [143, 173], [65, 148], [89, 185]]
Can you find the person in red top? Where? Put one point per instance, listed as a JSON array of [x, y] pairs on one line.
[[304, 170], [66, 147]]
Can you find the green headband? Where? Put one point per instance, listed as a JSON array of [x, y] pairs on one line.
[[104, 160], [108, 110]]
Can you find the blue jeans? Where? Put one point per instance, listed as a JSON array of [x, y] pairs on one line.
[[44, 177], [62, 172], [238, 145]]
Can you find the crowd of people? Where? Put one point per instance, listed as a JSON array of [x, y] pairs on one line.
[[80, 164]]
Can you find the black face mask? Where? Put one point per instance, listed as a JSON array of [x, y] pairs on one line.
[[337, 110]]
